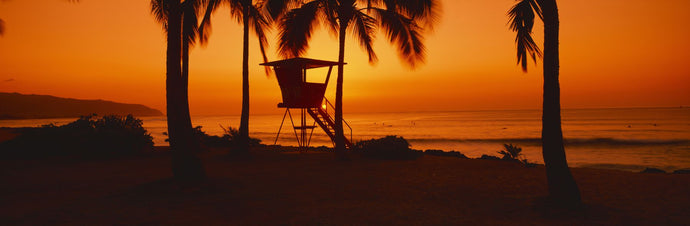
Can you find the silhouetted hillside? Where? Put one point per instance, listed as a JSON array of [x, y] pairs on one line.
[[20, 106]]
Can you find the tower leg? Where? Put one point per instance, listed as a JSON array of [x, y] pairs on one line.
[[299, 143], [281, 126], [303, 130]]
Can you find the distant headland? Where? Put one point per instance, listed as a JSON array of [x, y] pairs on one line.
[[21, 106]]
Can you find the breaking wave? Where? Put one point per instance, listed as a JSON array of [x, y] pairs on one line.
[[570, 142]]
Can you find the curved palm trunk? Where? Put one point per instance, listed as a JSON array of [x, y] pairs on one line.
[[186, 166], [339, 135], [244, 118], [562, 187]]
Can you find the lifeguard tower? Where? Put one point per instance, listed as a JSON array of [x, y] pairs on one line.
[[307, 97]]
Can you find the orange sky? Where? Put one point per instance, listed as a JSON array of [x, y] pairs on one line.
[[614, 53]]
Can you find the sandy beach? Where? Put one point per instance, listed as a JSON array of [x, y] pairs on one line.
[[281, 187]]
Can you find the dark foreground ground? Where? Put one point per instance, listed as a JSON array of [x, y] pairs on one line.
[[312, 188]]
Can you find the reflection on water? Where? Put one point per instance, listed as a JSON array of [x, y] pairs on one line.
[[628, 139]]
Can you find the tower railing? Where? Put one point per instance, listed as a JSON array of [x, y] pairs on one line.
[[325, 106]]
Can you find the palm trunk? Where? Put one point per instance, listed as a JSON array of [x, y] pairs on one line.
[[244, 118], [184, 103], [562, 187], [186, 166], [339, 135]]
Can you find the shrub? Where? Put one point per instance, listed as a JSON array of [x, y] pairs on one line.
[[389, 147], [205, 140], [444, 153], [231, 134], [87, 136], [489, 157], [227, 140], [682, 171], [652, 170], [510, 152]]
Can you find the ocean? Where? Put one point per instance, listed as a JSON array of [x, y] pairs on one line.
[[628, 139]]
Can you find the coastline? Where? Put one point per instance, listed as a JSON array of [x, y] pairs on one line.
[[532, 152], [620, 139]]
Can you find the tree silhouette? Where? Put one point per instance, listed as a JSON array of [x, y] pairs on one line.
[[186, 165], [400, 21], [253, 17], [562, 187]]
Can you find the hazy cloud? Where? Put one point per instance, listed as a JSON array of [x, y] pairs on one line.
[[8, 80]]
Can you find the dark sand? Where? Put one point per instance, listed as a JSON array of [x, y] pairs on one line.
[[312, 188]]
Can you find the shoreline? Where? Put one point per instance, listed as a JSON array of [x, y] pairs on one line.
[[7, 133]]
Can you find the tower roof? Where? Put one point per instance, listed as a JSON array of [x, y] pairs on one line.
[[306, 63]]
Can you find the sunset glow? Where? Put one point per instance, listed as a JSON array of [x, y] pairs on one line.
[[613, 54], [345, 112]]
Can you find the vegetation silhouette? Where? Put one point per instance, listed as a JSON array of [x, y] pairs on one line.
[[563, 191], [510, 152], [513, 153], [386, 148], [400, 21], [87, 137], [436, 152], [253, 16], [187, 167], [229, 139]]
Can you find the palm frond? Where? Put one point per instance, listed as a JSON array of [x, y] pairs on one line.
[[237, 9], [344, 10], [260, 23], [537, 8], [277, 8], [190, 21], [330, 15], [205, 26], [296, 28], [160, 9], [427, 12], [522, 21], [364, 29], [403, 32]]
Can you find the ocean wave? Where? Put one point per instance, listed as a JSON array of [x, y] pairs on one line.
[[568, 141]]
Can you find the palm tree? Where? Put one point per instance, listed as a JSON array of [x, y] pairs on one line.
[[190, 31], [399, 20], [187, 166], [253, 17], [562, 187]]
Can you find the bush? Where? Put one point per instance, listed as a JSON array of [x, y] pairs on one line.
[[489, 157], [652, 170], [389, 147], [444, 153], [511, 152], [206, 140], [88, 136], [231, 134], [228, 140]]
